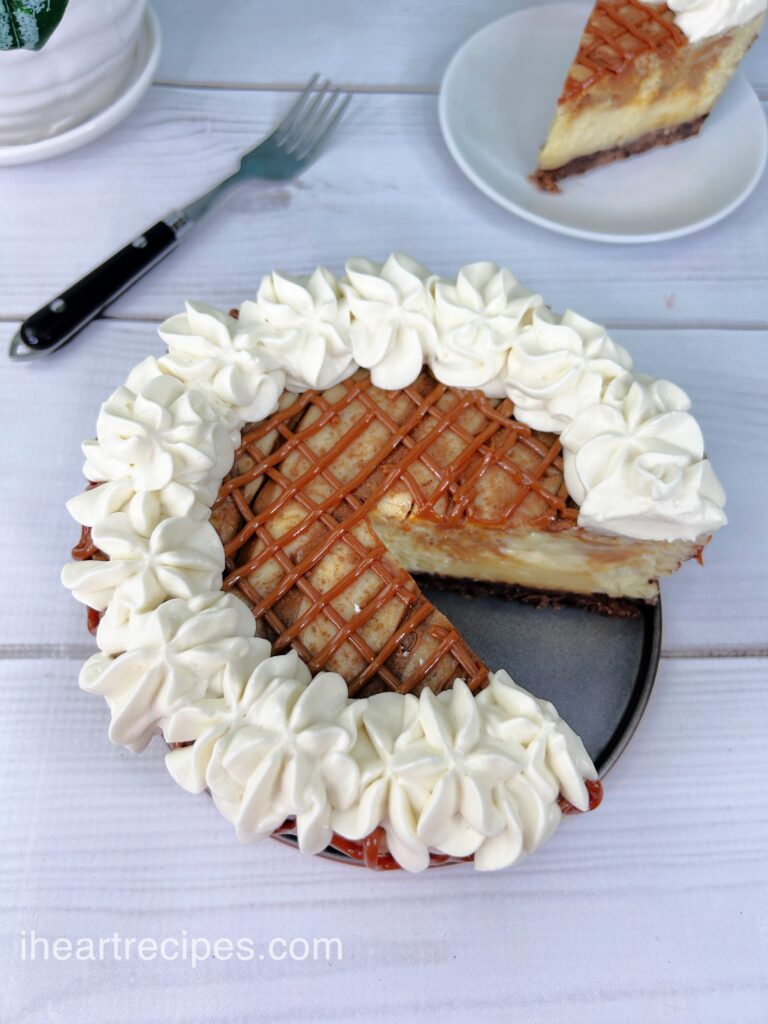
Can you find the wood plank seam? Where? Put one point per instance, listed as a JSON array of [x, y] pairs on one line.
[[390, 89], [294, 87]]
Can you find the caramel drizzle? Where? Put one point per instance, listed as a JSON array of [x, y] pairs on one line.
[[605, 49], [85, 551], [342, 510]]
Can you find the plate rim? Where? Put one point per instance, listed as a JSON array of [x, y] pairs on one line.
[[615, 238]]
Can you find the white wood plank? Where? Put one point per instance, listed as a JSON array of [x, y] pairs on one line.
[[653, 909], [405, 46], [723, 607], [387, 183]]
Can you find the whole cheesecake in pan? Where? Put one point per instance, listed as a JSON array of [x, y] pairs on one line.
[[267, 498]]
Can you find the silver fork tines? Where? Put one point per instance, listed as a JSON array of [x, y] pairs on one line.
[[291, 147], [324, 123], [300, 113], [296, 141], [295, 110]]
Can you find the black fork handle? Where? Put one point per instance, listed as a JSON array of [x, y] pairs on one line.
[[58, 321]]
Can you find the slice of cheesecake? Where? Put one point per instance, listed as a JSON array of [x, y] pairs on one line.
[[644, 76]]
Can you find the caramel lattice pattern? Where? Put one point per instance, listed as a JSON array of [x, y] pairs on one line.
[[301, 551], [617, 33]]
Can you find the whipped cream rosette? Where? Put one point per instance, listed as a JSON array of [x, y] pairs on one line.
[[700, 19], [637, 464], [558, 366], [394, 324], [302, 327], [477, 319], [210, 350]]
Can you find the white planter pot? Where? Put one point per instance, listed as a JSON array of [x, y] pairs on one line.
[[81, 69]]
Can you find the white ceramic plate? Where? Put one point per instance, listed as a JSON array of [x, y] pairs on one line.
[[147, 56], [497, 100]]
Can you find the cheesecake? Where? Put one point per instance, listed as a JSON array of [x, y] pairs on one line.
[[267, 499], [645, 75]]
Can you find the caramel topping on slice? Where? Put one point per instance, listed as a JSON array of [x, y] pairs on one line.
[[617, 33]]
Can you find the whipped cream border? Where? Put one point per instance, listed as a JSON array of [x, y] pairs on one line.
[[452, 773]]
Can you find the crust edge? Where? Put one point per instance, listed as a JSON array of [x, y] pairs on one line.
[[548, 180], [615, 607]]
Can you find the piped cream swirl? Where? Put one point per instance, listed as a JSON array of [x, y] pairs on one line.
[[700, 19], [394, 322], [635, 463], [558, 366], [179, 557], [156, 435], [209, 350], [451, 774], [301, 326], [477, 320], [274, 745], [152, 664]]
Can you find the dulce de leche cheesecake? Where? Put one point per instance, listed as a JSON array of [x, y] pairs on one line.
[[645, 75], [266, 498]]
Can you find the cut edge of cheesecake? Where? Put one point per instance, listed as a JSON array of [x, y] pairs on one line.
[[638, 92], [574, 566]]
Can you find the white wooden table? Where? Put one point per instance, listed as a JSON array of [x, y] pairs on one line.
[[653, 910]]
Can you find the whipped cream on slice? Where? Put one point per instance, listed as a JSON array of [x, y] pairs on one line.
[[700, 19]]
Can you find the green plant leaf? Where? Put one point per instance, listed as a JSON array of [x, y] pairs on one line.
[[28, 24]]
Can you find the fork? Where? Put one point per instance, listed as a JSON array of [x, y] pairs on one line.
[[293, 145]]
